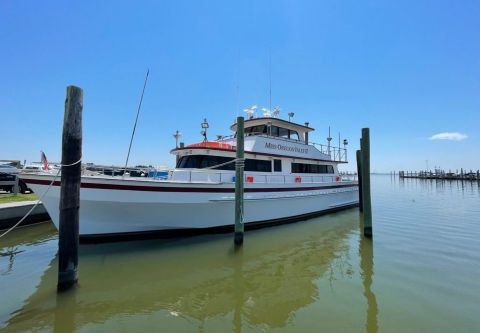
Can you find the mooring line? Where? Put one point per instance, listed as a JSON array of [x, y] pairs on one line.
[[41, 197]]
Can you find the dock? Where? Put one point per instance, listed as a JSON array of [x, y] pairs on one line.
[[442, 175], [12, 212]]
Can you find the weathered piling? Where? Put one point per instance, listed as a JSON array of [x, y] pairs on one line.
[[239, 183], [365, 165], [359, 173], [70, 189]]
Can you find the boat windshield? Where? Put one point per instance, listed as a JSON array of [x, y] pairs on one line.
[[208, 161], [272, 131]]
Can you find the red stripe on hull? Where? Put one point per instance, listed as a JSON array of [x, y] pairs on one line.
[[184, 189]]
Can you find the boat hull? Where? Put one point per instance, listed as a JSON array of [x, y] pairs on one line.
[[119, 208]]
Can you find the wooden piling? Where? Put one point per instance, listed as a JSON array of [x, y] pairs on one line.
[[70, 189], [239, 183], [359, 173], [367, 205]]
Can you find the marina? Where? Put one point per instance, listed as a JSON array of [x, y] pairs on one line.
[[228, 167]]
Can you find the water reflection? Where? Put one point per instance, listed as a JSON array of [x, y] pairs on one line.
[[9, 252], [238, 284], [365, 250], [65, 310], [25, 254], [193, 281]]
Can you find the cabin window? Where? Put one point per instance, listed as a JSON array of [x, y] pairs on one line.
[[273, 131], [260, 129], [311, 168], [258, 165], [206, 161], [283, 132], [277, 165], [293, 135]]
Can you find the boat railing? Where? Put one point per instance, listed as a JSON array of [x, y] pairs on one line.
[[337, 154], [198, 176]]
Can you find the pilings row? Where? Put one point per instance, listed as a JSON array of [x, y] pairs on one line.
[[442, 175]]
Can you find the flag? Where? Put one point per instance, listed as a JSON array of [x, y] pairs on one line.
[[44, 161]]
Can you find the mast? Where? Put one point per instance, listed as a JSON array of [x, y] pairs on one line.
[[136, 120]]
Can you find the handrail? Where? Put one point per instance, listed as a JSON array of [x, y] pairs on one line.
[[337, 154], [196, 176]]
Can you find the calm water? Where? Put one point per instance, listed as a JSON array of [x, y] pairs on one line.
[[420, 274]]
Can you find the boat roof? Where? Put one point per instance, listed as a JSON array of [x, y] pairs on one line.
[[275, 122]]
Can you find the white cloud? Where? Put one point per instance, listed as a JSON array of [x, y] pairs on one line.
[[452, 136]]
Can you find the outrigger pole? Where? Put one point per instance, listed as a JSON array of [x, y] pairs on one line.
[[136, 120]]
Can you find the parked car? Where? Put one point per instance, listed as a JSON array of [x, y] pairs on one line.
[[7, 174]]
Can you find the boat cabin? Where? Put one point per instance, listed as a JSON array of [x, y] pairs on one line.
[[275, 127], [273, 148]]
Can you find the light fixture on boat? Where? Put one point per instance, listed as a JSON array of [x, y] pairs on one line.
[[290, 115], [250, 111], [345, 143], [177, 136], [204, 129]]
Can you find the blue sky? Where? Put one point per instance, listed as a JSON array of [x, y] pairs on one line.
[[406, 69]]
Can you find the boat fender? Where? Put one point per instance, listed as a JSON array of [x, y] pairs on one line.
[[249, 179], [298, 179]]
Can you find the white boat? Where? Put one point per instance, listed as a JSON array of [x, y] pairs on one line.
[[287, 178]]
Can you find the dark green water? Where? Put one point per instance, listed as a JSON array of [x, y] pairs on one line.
[[421, 273]]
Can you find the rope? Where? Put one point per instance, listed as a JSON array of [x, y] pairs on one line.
[[41, 197], [235, 160]]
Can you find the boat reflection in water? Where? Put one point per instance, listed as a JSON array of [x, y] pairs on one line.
[[203, 284]]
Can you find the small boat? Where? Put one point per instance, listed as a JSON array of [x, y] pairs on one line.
[[287, 178], [137, 171]]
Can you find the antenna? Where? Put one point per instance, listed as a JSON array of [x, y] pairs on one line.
[[136, 120], [339, 157], [250, 111], [276, 112], [328, 140], [237, 93], [205, 126], [177, 136], [270, 76], [266, 112]]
